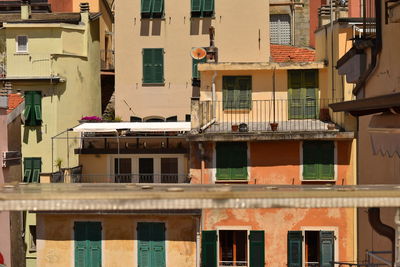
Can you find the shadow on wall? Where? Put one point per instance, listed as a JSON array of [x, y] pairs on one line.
[[154, 24], [195, 25]]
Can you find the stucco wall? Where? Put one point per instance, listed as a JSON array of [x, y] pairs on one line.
[[238, 30], [119, 242]]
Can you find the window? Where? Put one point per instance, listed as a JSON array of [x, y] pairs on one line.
[[146, 170], [153, 66], [231, 161], [202, 8], [152, 8], [236, 92], [151, 244], [32, 238], [318, 160], [33, 108], [123, 170], [280, 29], [236, 248], [169, 170], [22, 44], [303, 94], [195, 72], [32, 169], [87, 244], [318, 248]]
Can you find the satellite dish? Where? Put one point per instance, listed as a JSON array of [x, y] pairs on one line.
[[198, 53]]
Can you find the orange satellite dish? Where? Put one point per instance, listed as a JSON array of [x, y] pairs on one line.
[[198, 53]]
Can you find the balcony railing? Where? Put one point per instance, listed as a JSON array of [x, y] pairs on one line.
[[283, 115], [166, 178], [233, 263], [107, 59]]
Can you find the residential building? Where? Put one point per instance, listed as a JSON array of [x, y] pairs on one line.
[[372, 65], [11, 236]]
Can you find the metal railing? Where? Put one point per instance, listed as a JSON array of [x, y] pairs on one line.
[[165, 178], [311, 264], [107, 59], [282, 115], [233, 263]]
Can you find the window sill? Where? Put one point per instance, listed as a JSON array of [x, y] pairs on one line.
[[21, 53], [319, 181], [232, 181], [152, 84]]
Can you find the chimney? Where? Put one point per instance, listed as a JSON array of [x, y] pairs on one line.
[[25, 9], [84, 12]]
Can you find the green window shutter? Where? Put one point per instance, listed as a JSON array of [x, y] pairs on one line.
[[294, 79], [28, 112], [195, 72], [158, 245], [148, 70], [310, 78], [327, 160], [158, 65], [310, 160], [209, 249], [37, 104], [208, 6], [36, 169], [146, 6], [196, 5], [223, 161], [28, 168], [158, 6], [327, 239], [144, 244], [295, 94], [244, 89], [80, 244], [238, 162], [94, 237], [257, 250], [295, 242], [228, 87]]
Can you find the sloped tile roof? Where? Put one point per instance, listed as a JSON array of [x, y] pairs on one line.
[[14, 100], [288, 53]]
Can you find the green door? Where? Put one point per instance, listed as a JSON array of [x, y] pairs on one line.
[[209, 249], [294, 249], [151, 244], [87, 244], [303, 94]]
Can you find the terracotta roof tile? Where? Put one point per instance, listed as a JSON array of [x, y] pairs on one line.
[[287, 53], [14, 100]]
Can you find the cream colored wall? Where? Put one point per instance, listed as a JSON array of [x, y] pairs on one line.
[[65, 103], [237, 29], [94, 5], [119, 239]]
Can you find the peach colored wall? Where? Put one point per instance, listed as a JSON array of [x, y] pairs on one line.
[[273, 162], [55, 239], [277, 222]]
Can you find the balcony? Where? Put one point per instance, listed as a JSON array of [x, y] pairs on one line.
[[145, 178], [258, 116], [107, 59]]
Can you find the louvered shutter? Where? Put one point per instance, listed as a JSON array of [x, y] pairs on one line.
[[244, 92], [257, 250], [148, 65], [94, 237], [28, 168], [295, 94], [280, 29], [196, 5], [146, 6], [326, 160], [294, 249], [327, 239], [37, 106], [36, 169], [158, 65], [228, 87], [208, 5], [310, 160], [223, 161], [144, 244], [209, 249], [158, 245], [195, 63], [28, 107], [158, 7], [238, 164], [80, 244]]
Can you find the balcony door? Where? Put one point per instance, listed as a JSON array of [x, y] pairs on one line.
[[123, 170], [303, 94], [169, 170], [146, 170]]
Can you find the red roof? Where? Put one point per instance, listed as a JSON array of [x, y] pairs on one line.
[[287, 53], [14, 100]]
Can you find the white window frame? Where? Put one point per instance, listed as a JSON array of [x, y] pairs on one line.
[[335, 165], [17, 44]]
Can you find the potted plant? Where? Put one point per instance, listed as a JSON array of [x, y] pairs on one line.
[[274, 126], [90, 119], [235, 127]]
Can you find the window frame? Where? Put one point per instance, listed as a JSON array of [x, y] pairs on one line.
[[335, 165], [290, 28], [146, 81], [17, 50], [219, 249]]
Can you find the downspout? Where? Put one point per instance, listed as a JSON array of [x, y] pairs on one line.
[[381, 228], [376, 49], [214, 103], [332, 65]]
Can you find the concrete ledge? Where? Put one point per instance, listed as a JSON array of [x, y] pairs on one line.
[[231, 66], [323, 135]]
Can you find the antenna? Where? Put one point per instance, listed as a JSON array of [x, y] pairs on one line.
[[198, 53]]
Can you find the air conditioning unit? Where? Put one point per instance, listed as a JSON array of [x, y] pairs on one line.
[[11, 158]]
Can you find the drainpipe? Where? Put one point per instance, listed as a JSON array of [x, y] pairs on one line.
[[332, 65], [214, 103], [381, 228], [273, 92], [376, 49]]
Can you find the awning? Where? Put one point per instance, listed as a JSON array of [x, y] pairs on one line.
[[370, 105], [133, 127]]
